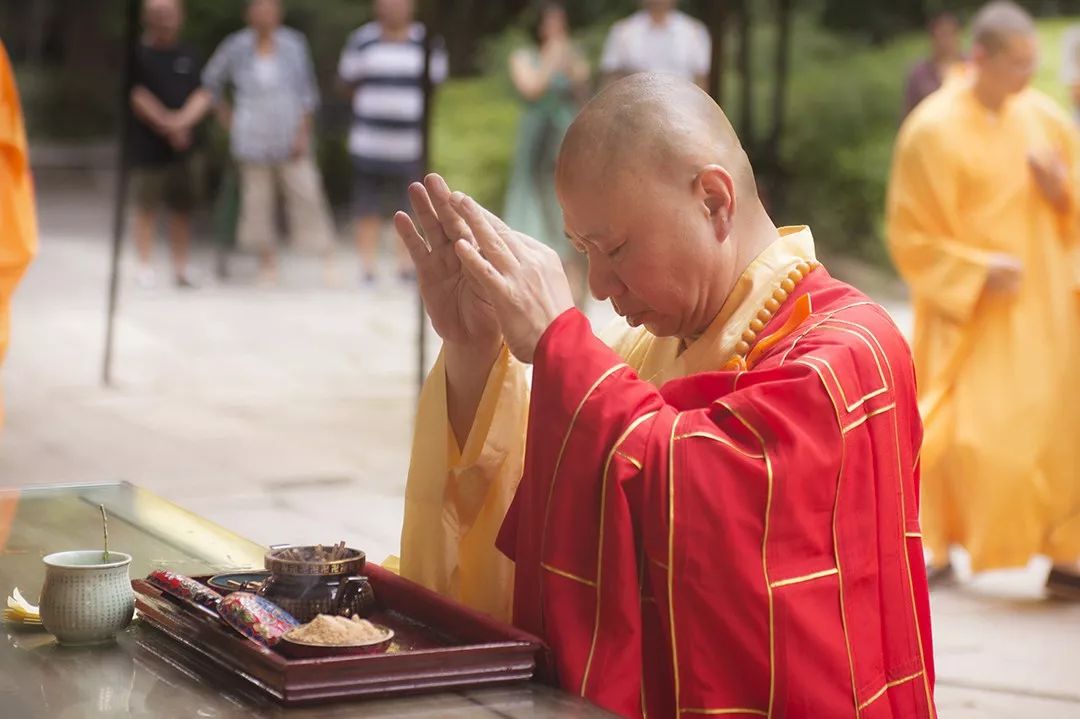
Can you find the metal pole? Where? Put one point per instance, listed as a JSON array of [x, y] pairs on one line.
[[131, 39], [421, 323]]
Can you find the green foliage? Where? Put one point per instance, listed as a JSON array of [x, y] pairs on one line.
[[845, 101], [474, 125], [844, 109], [475, 121]]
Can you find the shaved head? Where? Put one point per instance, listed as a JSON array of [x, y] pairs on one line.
[[658, 193], [656, 124], [999, 21]]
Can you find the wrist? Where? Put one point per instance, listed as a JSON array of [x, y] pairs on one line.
[[474, 354]]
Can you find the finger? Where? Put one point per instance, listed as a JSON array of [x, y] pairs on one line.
[[492, 244], [492, 283], [425, 212], [453, 226], [515, 240], [414, 243], [495, 220]]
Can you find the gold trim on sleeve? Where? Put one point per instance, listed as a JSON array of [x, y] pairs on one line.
[[631, 460], [836, 542], [568, 575], [903, 523], [823, 320], [805, 578], [722, 440], [867, 416], [600, 542], [849, 406], [733, 710], [764, 548], [558, 460], [671, 562], [881, 692]]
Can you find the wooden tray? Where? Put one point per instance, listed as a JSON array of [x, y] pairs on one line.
[[439, 645]]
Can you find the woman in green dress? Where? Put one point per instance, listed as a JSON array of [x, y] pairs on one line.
[[552, 79]]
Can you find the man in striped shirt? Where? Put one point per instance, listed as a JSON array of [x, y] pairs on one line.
[[383, 64]]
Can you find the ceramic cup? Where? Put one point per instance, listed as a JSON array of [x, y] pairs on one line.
[[86, 600]]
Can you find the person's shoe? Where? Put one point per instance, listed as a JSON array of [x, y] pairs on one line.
[[943, 576], [268, 278], [1063, 584], [146, 278], [184, 281], [331, 277]]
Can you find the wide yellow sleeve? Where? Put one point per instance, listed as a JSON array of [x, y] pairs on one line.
[[924, 228], [18, 225], [1066, 144], [456, 499]]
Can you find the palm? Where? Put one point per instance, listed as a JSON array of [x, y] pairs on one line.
[[458, 312]]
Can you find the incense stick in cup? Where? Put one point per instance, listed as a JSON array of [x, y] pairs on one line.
[[105, 530]]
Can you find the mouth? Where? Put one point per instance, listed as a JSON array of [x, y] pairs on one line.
[[634, 319]]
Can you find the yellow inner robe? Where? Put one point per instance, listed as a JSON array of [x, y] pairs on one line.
[[998, 375], [456, 498], [18, 225]]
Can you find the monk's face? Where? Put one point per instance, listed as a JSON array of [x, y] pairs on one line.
[[1009, 69], [656, 247]]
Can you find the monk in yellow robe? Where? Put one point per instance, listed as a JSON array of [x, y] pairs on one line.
[[18, 225], [982, 224]]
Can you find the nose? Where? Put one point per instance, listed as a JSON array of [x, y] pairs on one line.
[[603, 282]]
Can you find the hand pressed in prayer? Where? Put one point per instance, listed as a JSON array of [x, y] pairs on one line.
[[458, 311], [522, 279], [1052, 177], [1004, 275]]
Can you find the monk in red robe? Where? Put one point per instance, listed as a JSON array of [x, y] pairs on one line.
[[720, 515]]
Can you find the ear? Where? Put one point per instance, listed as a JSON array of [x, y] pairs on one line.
[[716, 188], [979, 54]]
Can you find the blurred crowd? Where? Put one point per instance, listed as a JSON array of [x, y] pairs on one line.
[[260, 85]]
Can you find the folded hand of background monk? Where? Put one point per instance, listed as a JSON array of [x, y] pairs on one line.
[[1003, 275], [1052, 177]]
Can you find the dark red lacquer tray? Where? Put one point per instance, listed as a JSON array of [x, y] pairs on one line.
[[438, 645]]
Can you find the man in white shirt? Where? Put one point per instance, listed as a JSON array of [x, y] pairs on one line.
[[658, 38]]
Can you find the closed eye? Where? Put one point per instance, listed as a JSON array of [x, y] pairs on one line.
[[578, 247]]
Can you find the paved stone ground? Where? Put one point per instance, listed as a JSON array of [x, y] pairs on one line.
[[286, 414]]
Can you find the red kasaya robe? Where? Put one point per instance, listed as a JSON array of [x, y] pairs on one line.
[[735, 543]]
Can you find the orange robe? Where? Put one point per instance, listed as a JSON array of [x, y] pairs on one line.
[[739, 543], [18, 225], [998, 376]]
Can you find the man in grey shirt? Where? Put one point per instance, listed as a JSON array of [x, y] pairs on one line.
[[945, 56], [275, 97]]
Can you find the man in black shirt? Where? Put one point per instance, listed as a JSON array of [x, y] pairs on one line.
[[168, 106]]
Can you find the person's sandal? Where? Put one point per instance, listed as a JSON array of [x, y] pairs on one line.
[[1063, 584], [943, 576]]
